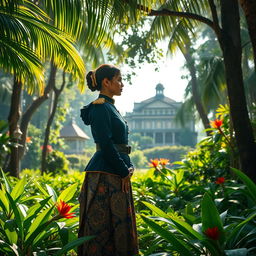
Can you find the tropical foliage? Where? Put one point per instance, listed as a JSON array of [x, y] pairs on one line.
[[42, 222], [200, 205]]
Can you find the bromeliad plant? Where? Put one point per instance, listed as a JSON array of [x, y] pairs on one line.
[[212, 233], [47, 227]]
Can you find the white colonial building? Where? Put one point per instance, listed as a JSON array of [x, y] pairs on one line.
[[155, 117]]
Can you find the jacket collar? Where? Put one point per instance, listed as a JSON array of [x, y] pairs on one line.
[[108, 99]]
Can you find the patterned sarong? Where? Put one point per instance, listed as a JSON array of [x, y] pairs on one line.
[[107, 213]]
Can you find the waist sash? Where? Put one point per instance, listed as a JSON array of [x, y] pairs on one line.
[[122, 148]]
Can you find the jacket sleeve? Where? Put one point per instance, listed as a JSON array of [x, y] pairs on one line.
[[101, 126]]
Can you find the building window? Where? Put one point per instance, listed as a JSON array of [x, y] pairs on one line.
[[168, 137], [149, 134], [158, 124], [159, 137]]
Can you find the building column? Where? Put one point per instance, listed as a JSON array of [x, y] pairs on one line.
[[173, 138], [164, 135], [154, 137]]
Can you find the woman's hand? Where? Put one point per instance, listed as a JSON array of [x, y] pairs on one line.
[[126, 183], [131, 171]]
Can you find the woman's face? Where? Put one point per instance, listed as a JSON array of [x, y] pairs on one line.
[[116, 85]]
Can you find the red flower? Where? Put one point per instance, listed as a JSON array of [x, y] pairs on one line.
[[63, 209], [48, 148], [220, 180], [217, 123], [164, 161], [212, 233], [154, 162]]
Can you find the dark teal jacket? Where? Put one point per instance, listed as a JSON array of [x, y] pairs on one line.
[[108, 128]]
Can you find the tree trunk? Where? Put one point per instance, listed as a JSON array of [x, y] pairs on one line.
[[230, 42], [57, 93], [195, 94], [249, 7], [26, 117], [13, 119]]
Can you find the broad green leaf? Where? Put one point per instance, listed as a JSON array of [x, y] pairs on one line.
[[4, 202], [68, 193], [38, 231], [155, 209], [73, 244], [210, 215], [64, 235], [239, 226], [179, 176], [189, 209], [24, 199], [18, 217], [180, 225], [52, 193], [41, 219], [185, 228], [251, 186], [18, 189], [10, 231], [33, 211], [42, 190], [177, 244], [7, 183]]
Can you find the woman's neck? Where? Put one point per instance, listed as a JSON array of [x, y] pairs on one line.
[[107, 94]]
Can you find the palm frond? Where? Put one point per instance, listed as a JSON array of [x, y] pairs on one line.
[[18, 59], [213, 83], [28, 27]]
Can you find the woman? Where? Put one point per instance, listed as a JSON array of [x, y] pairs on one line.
[[106, 204]]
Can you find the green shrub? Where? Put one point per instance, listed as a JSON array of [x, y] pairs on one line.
[[78, 162], [173, 153], [56, 162], [138, 159]]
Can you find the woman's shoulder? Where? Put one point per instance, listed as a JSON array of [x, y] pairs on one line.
[[101, 105]]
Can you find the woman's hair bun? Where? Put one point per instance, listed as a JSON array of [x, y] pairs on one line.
[[92, 81]]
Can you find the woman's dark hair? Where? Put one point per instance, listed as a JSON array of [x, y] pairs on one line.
[[94, 78]]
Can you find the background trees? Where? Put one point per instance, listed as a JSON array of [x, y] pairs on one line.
[[92, 25]]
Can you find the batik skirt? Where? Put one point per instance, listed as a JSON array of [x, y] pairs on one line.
[[108, 214]]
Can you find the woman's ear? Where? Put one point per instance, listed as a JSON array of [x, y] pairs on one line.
[[105, 82]]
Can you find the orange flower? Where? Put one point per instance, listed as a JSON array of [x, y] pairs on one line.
[[217, 123], [63, 209], [154, 162], [212, 233], [48, 148], [28, 139], [220, 180], [164, 161]]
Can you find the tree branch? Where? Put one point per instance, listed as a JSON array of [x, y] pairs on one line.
[[215, 18], [188, 15], [166, 12]]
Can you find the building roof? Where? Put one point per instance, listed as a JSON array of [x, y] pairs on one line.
[[159, 87], [164, 99], [72, 130]]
